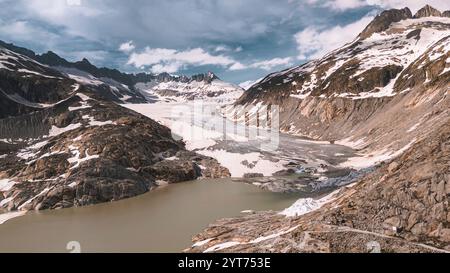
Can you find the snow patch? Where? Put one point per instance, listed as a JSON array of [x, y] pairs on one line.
[[349, 142], [375, 158], [6, 185], [221, 246], [76, 158], [307, 205], [6, 201], [272, 236], [10, 215], [202, 243], [233, 161], [414, 127], [83, 96], [93, 122], [54, 131], [225, 245]]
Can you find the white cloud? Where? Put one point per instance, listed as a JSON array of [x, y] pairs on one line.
[[25, 31], [238, 66], [344, 4], [269, 64], [70, 18], [127, 47], [60, 10], [171, 60], [265, 65], [222, 48], [313, 42], [168, 68]]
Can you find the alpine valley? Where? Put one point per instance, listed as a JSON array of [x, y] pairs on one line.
[[363, 147]]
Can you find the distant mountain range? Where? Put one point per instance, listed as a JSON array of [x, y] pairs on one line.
[[122, 86]]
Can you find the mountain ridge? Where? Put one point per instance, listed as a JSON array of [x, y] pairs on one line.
[[52, 59], [329, 98]]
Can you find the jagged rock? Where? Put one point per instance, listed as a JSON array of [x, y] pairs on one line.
[[174, 171], [446, 13], [384, 20], [393, 167], [253, 175], [427, 11], [284, 172]]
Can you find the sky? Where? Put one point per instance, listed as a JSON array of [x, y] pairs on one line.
[[239, 40]]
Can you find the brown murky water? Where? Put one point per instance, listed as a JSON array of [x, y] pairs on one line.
[[161, 221]]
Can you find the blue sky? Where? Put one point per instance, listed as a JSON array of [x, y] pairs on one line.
[[238, 40]]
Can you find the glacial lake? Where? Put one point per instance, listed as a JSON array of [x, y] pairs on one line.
[[163, 220]]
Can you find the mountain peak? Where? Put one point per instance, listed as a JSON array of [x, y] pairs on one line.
[[207, 77], [384, 20], [51, 58], [211, 76], [86, 61], [427, 11]]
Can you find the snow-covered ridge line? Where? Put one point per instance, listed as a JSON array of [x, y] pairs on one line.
[[181, 91], [401, 45]]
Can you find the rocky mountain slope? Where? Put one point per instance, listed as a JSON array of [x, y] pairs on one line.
[[401, 207], [386, 94], [66, 142], [397, 60]]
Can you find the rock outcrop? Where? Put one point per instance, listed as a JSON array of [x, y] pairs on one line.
[[384, 20], [427, 11]]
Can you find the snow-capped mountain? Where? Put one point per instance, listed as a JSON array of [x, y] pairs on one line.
[[133, 88], [247, 84], [28, 86], [373, 65], [398, 56], [207, 87]]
